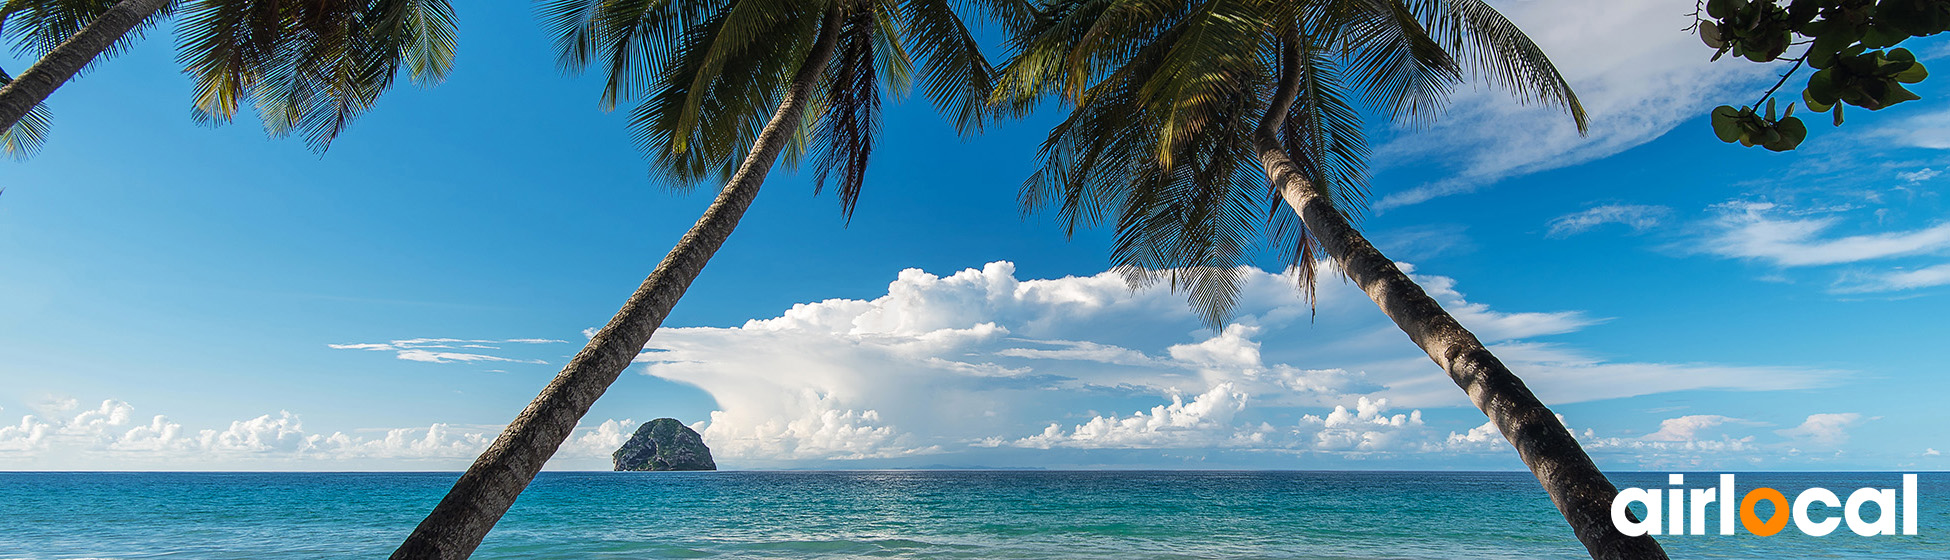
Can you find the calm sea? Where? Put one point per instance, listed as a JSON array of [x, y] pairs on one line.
[[883, 514]]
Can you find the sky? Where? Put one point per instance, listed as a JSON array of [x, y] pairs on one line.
[[184, 297]]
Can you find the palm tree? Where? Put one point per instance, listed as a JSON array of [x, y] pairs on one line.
[[1192, 120], [728, 86], [68, 35], [306, 66]]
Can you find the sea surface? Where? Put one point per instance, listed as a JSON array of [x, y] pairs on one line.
[[887, 514]]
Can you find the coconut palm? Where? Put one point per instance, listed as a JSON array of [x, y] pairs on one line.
[[1192, 121], [67, 35], [306, 66], [727, 87]]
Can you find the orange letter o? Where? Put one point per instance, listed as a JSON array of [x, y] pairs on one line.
[[1774, 523]]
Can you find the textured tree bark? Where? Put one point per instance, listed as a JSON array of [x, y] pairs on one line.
[[32, 87], [1576, 486], [458, 524]]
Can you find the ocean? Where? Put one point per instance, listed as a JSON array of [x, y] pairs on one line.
[[887, 514]]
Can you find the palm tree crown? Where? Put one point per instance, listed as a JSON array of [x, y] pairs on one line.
[[1168, 96], [310, 67], [709, 72], [306, 67]]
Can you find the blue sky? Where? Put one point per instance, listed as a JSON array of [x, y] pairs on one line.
[[185, 297]]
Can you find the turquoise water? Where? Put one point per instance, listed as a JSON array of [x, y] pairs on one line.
[[882, 514]]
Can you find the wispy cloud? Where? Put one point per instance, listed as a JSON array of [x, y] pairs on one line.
[[443, 350], [1762, 231], [1636, 216], [1927, 130], [1919, 175], [1638, 74], [1895, 280]]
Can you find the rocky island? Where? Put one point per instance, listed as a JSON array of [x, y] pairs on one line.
[[664, 444]]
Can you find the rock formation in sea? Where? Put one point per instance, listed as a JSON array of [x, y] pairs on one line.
[[664, 444]]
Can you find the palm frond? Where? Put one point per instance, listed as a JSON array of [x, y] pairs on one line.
[[954, 73], [37, 26], [844, 136], [27, 135], [1496, 48]]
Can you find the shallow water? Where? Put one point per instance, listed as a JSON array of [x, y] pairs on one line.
[[884, 514]]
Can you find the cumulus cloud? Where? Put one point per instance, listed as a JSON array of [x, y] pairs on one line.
[[1636, 216], [112, 434], [1824, 429], [447, 350], [1637, 72], [1367, 428], [1204, 422], [1763, 231], [980, 358], [1687, 428]]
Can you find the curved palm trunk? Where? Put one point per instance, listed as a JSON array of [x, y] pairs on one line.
[[1575, 484], [486, 491], [40, 80]]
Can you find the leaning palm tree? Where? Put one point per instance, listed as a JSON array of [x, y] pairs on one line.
[[307, 67], [1193, 120], [726, 88], [67, 35]]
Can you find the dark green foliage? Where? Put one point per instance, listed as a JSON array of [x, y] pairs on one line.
[[1755, 30], [1850, 46], [1871, 80], [1752, 129]]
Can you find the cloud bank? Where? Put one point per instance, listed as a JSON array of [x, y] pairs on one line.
[[113, 436], [979, 359]]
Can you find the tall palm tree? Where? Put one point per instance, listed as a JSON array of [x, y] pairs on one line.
[[1192, 120], [307, 66], [727, 87]]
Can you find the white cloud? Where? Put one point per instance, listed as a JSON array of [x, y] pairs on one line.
[[1638, 74], [440, 350], [1687, 428], [1826, 429], [1760, 231], [982, 358], [1638, 217], [1367, 428], [1928, 130], [1204, 422], [1919, 175], [1931, 452], [110, 435], [1895, 280]]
